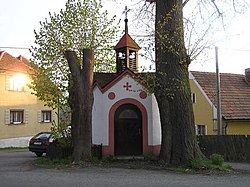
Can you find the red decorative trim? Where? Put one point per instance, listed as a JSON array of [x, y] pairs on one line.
[[143, 95], [111, 95], [155, 149], [109, 150], [127, 72], [151, 149]]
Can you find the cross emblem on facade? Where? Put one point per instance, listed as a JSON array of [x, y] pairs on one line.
[[127, 86]]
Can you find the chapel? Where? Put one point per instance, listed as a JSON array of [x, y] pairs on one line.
[[125, 116]]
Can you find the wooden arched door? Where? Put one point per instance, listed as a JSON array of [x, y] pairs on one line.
[[128, 131]]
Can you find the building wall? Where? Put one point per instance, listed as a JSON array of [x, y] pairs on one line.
[[156, 123], [203, 109], [237, 127], [13, 134]]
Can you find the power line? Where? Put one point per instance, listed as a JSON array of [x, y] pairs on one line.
[[15, 47]]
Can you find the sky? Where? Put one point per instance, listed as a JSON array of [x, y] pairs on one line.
[[19, 18]]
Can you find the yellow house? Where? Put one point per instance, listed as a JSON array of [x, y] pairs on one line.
[[22, 115], [235, 102]]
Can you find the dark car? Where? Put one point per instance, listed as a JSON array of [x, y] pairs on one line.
[[40, 142]]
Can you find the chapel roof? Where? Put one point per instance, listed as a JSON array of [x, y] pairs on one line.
[[235, 93], [104, 79], [126, 41]]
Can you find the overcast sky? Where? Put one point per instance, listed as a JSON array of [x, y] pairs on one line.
[[18, 19]]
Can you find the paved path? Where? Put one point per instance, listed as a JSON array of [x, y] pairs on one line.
[[240, 166]]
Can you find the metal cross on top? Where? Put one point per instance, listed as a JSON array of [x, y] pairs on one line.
[[126, 12]]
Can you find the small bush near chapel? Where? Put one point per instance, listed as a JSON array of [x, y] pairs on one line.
[[217, 159]]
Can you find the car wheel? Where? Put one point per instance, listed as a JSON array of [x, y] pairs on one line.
[[39, 154]]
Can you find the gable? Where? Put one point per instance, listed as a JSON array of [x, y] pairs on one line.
[[105, 81]]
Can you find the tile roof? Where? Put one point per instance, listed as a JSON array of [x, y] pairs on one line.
[[10, 63], [235, 93], [104, 78], [126, 41]]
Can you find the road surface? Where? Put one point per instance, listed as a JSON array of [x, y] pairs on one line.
[[17, 169]]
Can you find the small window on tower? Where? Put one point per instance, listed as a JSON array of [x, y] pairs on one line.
[[121, 55], [131, 54]]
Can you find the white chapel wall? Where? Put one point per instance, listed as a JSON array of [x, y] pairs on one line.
[[99, 119], [102, 106], [156, 122]]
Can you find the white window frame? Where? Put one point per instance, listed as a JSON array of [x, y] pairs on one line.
[[46, 116], [16, 116], [193, 97], [199, 130]]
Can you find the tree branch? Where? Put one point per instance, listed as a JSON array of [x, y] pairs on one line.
[[216, 7], [184, 3]]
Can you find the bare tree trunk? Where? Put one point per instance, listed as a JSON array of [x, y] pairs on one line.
[[173, 93], [81, 103]]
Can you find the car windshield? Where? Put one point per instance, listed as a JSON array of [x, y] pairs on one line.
[[44, 135]]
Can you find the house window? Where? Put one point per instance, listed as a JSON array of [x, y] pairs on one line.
[[201, 130], [46, 116], [16, 116], [16, 82], [193, 97]]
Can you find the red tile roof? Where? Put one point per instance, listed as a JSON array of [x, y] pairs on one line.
[[126, 41], [10, 63], [235, 93]]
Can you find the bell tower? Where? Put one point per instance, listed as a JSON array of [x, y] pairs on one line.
[[126, 51]]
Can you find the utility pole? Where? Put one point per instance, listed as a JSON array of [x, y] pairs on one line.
[[218, 93]]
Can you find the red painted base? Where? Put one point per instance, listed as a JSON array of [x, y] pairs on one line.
[[151, 149]]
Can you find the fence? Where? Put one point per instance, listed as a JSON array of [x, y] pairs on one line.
[[232, 147]]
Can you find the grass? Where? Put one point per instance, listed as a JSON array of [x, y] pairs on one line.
[[209, 164], [55, 163], [198, 165], [13, 148]]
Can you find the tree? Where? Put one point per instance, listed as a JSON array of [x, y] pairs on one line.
[[81, 102], [60, 78], [82, 24], [178, 145]]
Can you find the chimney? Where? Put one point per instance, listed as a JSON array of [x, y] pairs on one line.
[[247, 75]]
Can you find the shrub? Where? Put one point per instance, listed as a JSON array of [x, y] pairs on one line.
[[200, 163], [217, 159]]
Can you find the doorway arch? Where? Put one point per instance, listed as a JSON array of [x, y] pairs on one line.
[[128, 131], [109, 150]]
